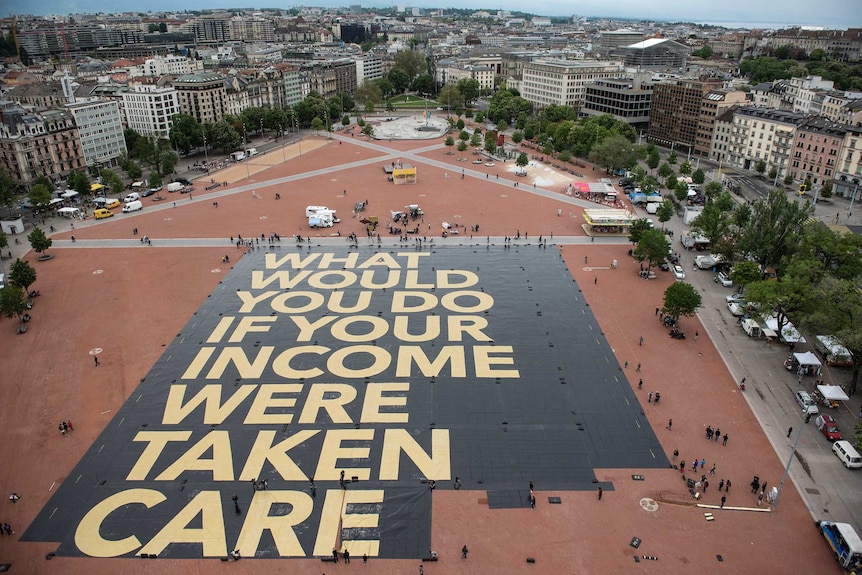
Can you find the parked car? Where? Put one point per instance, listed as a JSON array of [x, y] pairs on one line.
[[735, 298], [735, 309], [678, 272], [664, 266], [828, 427], [807, 403], [723, 279]]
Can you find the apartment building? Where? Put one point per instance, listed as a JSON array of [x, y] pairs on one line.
[[202, 96], [564, 82], [149, 110], [628, 100], [169, 65], [848, 175], [816, 150], [761, 134], [100, 129], [368, 67], [331, 77], [244, 29], [38, 143], [456, 71], [677, 110], [609, 41], [714, 103], [211, 29]]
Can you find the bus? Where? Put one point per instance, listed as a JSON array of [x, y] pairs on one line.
[[845, 543]]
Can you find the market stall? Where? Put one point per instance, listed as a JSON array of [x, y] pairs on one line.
[[805, 363], [830, 395]]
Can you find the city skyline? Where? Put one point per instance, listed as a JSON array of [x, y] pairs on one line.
[[838, 14]]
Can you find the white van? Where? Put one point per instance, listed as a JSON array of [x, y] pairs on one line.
[[175, 187], [133, 206], [133, 197], [652, 207], [251, 152], [847, 454], [313, 210]]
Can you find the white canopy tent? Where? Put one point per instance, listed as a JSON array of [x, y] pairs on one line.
[[69, 212], [788, 334], [69, 194], [832, 393]]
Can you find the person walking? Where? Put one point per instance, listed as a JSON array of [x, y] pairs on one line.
[[670, 425], [346, 555], [639, 367], [96, 360], [675, 454], [641, 341], [724, 440], [640, 383], [727, 486], [464, 552], [649, 399], [789, 431], [721, 485], [723, 499], [600, 493], [682, 466]]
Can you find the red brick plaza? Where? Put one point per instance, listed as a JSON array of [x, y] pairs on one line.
[[126, 302]]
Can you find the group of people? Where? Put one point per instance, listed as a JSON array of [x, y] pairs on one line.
[[65, 426]]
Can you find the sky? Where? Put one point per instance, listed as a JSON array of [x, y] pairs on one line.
[[777, 13]]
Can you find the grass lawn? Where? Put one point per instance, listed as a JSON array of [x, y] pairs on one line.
[[408, 101]]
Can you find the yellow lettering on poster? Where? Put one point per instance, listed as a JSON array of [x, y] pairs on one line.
[[249, 324], [380, 260], [336, 299], [327, 259], [273, 261], [380, 361], [220, 330], [237, 357], [281, 364], [402, 302], [366, 280], [375, 400], [448, 279], [334, 518], [307, 328], [280, 527], [451, 354], [210, 396], [471, 325], [156, 442], [88, 535], [284, 279], [196, 365], [431, 332], [485, 361], [257, 413], [315, 400], [342, 332], [249, 300], [411, 281], [264, 450], [220, 465], [333, 450], [483, 301], [314, 301], [211, 535], [435, 465]]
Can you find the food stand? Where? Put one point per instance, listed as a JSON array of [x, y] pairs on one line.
[[805, 363], [830, 395]]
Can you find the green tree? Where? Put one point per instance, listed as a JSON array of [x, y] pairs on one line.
[[412, 63], [788, 180], [449, 96], [39, 241], [449, 142], [665, 171], [469, 90], [155, 180], [612, 152], [113, 181], [653, 247], [368, 130], [673, 158], [186, 133], [773, 173], [698, 177], [7, 190], [685, 169], [134, 171], [13, 302], [817, 55], [476, 139], [399, 79], [460, 125], [637, 229], [40, 196], [565, 156], [681, 299], [705, 52], [490, 142], [79, 182], [224, 137], [665, 211], [522, 160], [826, 190], [22, 274], [517, 136], [745, 272], [792, 296], [423, 84], [680, 189], [653, 159], [462, 146], [774, 229], [760, 167]]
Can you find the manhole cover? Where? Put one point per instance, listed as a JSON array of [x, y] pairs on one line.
[[648, 504], [97, 272], [96, 351]]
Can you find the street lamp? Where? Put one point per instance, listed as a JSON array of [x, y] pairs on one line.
[[206, 156]]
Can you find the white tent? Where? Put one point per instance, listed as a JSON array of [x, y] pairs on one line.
[[788, 333], [69, 194], [69, 212], [55, 201], [808, 359], [832, 392]]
